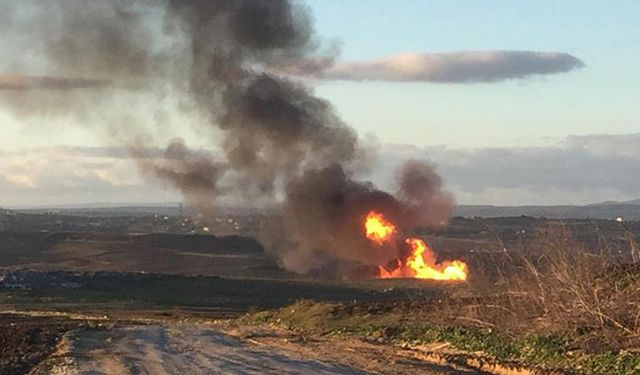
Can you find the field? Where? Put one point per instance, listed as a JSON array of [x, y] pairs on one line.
[[543, 297]]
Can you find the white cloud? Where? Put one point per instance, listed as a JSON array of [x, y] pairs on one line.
[[623, 145], [20, 180], [456, 67], [68, 175], [581, 169]]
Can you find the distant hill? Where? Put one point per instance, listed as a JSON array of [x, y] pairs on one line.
[[94, 205], [616, 203], [125, 209], [628, 210]]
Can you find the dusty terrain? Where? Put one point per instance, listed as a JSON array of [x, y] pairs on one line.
[[164, 253], [119, 301], [176, 349], [27, 340], [171, 348]]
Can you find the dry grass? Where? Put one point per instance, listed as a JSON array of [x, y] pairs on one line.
[[557, 284], [554, 304]]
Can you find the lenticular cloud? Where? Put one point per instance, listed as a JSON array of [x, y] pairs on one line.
[[456, 67]]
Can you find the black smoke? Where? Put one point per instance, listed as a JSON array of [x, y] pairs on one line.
[[276, 139]]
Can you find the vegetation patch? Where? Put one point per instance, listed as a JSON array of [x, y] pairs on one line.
[[547, 352]]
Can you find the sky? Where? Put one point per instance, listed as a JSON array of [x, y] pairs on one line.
[[547, 135], [599, 99]]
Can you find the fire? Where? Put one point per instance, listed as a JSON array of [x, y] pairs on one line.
[[377, 228], [420, 263], [450, 270]]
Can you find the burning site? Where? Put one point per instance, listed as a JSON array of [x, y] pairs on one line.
[[235, 65], [303, 187], [416, 261]]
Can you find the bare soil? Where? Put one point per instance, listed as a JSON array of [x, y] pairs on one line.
[[224, 348], [25, 341]]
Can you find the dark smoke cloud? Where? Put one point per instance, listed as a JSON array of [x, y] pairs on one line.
[[194, 174], [325, 210], [456, 67], [23, 82], [277, 140], [96, 44], [276, 128], [272, 128], [100, 38], [420, 188]]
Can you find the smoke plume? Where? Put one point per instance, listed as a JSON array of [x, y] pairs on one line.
[[276, 139], [194, 174]]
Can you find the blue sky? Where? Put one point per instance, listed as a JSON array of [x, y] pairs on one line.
[[597, 99], [373, 28], [580, 120]]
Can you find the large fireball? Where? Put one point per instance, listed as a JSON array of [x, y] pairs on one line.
[[420, 263], [377, 228]]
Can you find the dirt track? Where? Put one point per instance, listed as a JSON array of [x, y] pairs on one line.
[[177, 350], [196, 349]]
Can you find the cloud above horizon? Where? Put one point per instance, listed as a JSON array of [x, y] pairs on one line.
[[453, 67], [580, 169], [46, 175], [441, 67]]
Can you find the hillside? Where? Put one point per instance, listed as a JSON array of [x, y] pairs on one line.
[[629, 210]]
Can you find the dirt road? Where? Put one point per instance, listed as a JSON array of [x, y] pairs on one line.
[[200, 349], [177, 349]]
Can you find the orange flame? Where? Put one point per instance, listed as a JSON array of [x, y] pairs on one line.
[[427, 269], [420, 264], [377, 228]]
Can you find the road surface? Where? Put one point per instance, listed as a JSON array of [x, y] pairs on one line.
[[178, 349], [194, 349]]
